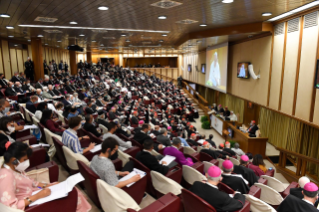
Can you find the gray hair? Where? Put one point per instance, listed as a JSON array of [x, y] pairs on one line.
[[236, 145], [214, 179], [227, 170], [176, 141], [67, 96], [163, 130]]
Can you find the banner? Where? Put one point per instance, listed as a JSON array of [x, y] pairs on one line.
[[217, 124]]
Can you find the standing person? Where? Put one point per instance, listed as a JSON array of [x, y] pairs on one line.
[[29, 69], [46, 68]]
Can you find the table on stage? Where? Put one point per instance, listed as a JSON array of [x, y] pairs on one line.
[[247, 144]]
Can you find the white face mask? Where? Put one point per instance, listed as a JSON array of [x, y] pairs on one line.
[[11, 129], [80, 126], [23, 166]]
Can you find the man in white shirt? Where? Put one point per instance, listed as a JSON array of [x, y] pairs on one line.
[[214, 73]]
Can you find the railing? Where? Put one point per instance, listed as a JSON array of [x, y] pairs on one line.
[[163, 72], [301, 164]]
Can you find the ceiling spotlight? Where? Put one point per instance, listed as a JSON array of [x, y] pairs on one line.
[[161, 41], [103, 8], [127, 41], [15, 44], [40, 36], [46, 44], [59, 41], [81, 35], [29, 40], [266, 14], [123, 35], [162, 17], [11, 36], [4, 15], [73, 22], [227, 1], [203, 25], [164, 35], [93, 41], [9, 27]]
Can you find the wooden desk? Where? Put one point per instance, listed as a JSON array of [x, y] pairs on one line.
[[247, 144]]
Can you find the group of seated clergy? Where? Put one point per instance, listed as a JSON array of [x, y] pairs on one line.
[[153, 112]]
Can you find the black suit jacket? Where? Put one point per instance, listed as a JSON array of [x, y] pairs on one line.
[[90, 128], [30, 106], [253, 129], [236, 183], [247, 173], [294, 204], [18, 90], [194, 143], [218, 199], [112, 115], [231, 152], [65, 102], [89, 110], [56, 92], [211, 142], [296, 192], [151, 162], [141, 137], [103, 122], [15, 79], [10, 92], [134, 120], [69, 89], [3, 82], [26, 88]]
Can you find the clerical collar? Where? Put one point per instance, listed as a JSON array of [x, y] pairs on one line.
[[145, 150], [212, 185], [229, 174], [307, 201]]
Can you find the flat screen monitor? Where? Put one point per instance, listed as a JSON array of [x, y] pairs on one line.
[[317, 76], [230, 132], [242, 70], [217, 60], [203, 68], [189, 68]]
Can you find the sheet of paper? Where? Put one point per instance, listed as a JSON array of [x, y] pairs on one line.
[[132, 174], [96, 148], [168, 159], [33, 126], [57, 191], [73, 180], [37, 145]]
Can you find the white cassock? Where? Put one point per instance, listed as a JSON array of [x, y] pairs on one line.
[[242, 72], [214, 74]]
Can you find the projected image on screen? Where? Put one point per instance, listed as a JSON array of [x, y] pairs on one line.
[[242, 70], [216, 73]]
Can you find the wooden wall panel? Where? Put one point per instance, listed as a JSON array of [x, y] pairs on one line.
[[276, 71], [20, 60], [290, 72], [6, 59], [25, 55], [30, 52], [13, 59], [1, 63], [306, 75]]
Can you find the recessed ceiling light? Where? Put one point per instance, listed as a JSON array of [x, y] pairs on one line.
[[46, 44], [93, 41], [29, 40], [164, 35], [103, 8], [162, 17], [40, 36], [123, 35], [11, 36], [73, 22], [59, 41], [161, 41], [4, 15], [266, 14], [81, 35], [127, 41], [9, 27], [227, 1], [203, 25]]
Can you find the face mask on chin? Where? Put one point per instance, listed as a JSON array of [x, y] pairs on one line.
[[21, 167]]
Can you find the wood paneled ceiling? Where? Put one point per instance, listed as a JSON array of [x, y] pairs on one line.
[[133, 14]]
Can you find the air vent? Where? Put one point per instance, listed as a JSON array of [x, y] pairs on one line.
[[311, 19], [279, 29], [186, 21], [99, 31], [114, 42], [293, 25], [109, 38], [146, 38], [166, 4], [45, 19], [147, 42], [52, 31]]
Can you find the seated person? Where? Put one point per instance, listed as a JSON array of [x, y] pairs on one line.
[[8, 128], [237, 150], [90, 110], [67, 110], [215, 154], [226, 112], [235, 182], [232, 116], [228, 150], [252, 128], [192, 140], [294, 204], [258, 161], [180, 136], [45, 93], [59, 107], [104, 167], [210, 140], [18, 187], [112, 127], [149, 160], [10, 91], [142, 135], [30, 104], [134, 119], [70, 138], [140, 124], [247, 173], [4, 108], [174, 151], [156, 131], [48, 122], [155, 120], [73, 112], [163, 138], [201, 139], [220, 109], [88, 126], [218, 199]]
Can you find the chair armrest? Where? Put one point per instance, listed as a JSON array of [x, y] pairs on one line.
[[137, 190], [89, 155], [215, 162], [175, 174], [263, 181], [53, 170], [255, 191], [270, 173], [38, 156], [193, 157], [246, 207], [22, 133], [132, 151], [117, 164], [199, 166], [286, 192], [31, 138], [68, 203]]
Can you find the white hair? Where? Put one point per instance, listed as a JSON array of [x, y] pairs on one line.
[[303, 181]]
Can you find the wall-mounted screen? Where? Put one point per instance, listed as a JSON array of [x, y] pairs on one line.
[[216, 74], [242, 70], [203, 68], [317, 76], [189, 68]]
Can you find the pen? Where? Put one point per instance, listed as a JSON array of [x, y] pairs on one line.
[[39, 187]]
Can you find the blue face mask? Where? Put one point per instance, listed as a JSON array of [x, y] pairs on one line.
[[12, 86], [41, 93]]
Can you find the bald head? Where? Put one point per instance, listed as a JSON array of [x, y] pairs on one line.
[[50, 87], [38, 91], [303, 181]]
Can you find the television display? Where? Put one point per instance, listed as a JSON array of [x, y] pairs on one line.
[[230, 132], [242, 70], [189, 68], [317, 76], [203, 68]]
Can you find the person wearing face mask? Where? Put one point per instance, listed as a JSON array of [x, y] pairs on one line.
[[104, 167], [47, 121], [17, 188], [30, 104], [88, 126], [143, 135], [10, 91], [73, 113], [4, 108], [39, 84], [8, 128], [56, 90], [71, 140], [59, 107]]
